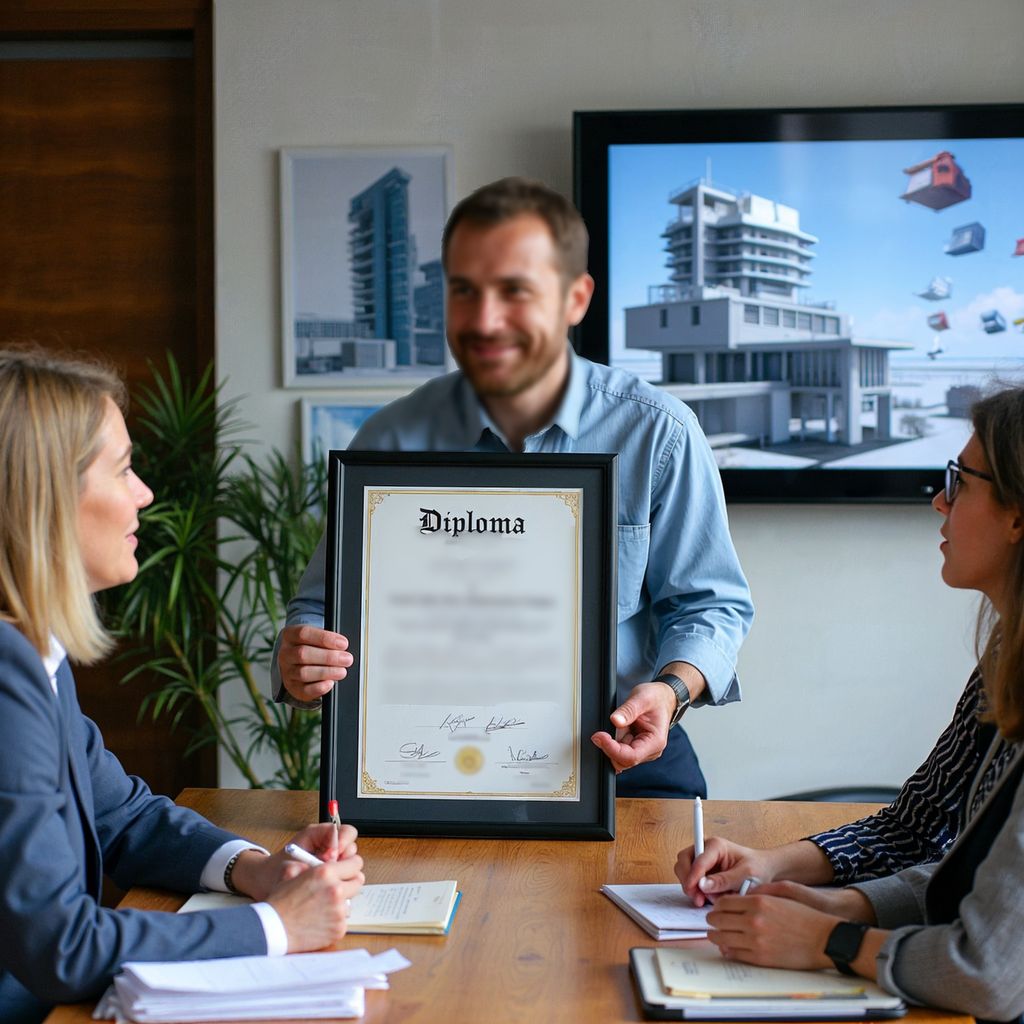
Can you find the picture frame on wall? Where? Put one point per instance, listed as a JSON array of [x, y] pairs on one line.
[[362, 288], [494, 576], [329, 423]]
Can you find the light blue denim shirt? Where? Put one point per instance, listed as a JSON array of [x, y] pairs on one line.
[[682, 595]]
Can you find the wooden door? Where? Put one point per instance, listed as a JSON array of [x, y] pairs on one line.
[[106, 236]]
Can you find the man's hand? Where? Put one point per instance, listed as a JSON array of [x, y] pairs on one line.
[[312, 660], [258, 875], [313, 905], [641, 726]]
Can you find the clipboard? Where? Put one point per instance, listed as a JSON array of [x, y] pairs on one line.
[[658, 1005]]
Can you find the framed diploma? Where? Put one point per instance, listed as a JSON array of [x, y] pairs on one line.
[[477, 592]]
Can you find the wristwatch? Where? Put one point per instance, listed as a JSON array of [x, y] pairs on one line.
[[844, 944], [681, 692]]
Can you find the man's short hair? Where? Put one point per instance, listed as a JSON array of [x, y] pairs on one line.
[[507, 198]]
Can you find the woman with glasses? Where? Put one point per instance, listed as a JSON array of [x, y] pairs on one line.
[[68, 812], [935, 911]]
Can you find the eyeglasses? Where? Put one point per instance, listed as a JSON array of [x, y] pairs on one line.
[[953, 471]]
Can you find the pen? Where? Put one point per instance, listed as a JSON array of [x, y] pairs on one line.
[[747, 883], [698, 827], [335, 816], [303, 856]]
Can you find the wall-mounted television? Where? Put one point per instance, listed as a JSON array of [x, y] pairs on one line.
[[827, 289]]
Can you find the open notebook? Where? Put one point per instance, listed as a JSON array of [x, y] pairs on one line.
[[404, 908]]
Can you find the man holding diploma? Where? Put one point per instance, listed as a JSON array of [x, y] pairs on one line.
[[515, 258]]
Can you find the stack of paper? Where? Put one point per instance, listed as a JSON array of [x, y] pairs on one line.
[[663, 911], [298, 986]]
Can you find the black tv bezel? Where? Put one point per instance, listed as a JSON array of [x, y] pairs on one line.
[[594, 131]]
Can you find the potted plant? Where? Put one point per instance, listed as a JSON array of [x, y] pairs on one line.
[[224, 545]]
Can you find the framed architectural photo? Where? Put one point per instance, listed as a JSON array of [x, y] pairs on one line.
[[477, 591], [362, 292], [329, 424]]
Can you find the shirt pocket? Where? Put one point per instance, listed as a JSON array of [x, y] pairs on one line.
[[634, 545]]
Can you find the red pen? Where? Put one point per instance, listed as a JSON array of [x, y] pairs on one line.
[[333, 814]]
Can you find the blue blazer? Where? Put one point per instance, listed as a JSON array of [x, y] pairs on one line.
[[68, 814]]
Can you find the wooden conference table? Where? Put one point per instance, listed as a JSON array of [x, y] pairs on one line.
[[533, 939]]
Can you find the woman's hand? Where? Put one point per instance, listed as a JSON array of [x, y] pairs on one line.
[[257, 875], [771, 931], [846, 904], [721, 868]]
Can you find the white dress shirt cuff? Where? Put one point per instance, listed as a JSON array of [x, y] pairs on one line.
[[212, 877], [273, 929]]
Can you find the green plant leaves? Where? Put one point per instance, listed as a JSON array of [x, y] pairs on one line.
[[222, 548]]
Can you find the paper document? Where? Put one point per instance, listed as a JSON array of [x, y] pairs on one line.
[[300, 985], [410, 908], [704, 974], [404, 908], [664, 911]]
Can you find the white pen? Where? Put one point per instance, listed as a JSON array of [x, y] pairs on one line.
[[299, 854], [698, 827], [747, 883]]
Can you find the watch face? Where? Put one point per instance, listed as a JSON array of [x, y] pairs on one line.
[[844, 942]]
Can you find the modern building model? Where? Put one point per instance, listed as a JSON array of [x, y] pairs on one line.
[[382, 260], [756, 362]]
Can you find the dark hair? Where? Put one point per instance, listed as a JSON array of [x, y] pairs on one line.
[[999, 427], [507, 198]]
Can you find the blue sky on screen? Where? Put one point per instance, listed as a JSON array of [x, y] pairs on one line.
[[874, 250]]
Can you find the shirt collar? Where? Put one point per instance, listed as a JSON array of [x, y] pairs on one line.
[[567, 416], [53, 660]]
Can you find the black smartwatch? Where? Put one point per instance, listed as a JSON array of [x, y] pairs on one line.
[[844, 944], [681, 692]]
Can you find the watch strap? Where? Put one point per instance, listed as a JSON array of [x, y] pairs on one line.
[[681, 691], [843, 945]]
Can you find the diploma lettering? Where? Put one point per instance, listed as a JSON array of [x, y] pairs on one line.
[[431, 521]]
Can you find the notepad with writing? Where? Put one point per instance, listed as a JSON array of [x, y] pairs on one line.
[[406, 908], [403, 908], [696, 983], [664, 911], [705, 974]]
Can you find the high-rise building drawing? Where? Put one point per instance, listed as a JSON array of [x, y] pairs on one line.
[[739, 344], [382, 259], [428, 299]]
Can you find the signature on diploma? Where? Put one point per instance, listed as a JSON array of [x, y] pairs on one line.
[[497, 722], [416, 751], [526, 755], [453, 722]]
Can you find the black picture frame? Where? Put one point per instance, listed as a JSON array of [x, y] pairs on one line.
[[591, 817], [596, 132]]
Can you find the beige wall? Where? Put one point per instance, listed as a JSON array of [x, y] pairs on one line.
[[858, 652]]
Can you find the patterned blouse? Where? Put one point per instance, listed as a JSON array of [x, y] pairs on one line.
[[926, 816]]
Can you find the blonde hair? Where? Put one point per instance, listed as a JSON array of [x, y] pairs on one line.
[[999, 426], [51, 410]]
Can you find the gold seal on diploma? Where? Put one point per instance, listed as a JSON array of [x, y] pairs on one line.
[[469, 760]]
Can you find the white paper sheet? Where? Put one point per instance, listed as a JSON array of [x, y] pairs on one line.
[[470, 647]]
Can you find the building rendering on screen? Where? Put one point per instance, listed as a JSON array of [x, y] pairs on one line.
[[756, 362]]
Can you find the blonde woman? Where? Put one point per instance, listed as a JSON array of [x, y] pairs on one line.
[[68, 812], [948, 933]]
